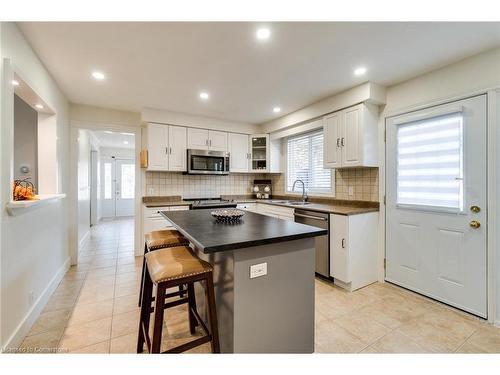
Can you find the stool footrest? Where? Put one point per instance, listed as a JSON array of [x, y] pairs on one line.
[[189, 345]]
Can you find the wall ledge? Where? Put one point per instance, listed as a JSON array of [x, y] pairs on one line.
[[20, 207]]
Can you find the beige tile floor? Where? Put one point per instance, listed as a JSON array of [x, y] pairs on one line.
[[94, 310]]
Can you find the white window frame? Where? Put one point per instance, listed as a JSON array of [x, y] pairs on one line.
[[298, 192]]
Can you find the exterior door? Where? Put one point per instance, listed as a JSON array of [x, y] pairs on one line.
[[125, 187], [436, 203]]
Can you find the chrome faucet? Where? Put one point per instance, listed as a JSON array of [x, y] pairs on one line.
[[304, 195]]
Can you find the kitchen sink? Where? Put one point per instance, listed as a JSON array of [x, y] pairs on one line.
[[299, 203]]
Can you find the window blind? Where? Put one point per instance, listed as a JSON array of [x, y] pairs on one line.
[[305, 162], [430, 162]]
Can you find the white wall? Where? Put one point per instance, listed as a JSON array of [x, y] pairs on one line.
[[468, 76], [366, 92], [34, 245], [184, 119], [128, 153]]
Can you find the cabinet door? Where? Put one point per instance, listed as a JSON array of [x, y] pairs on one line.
[[157, 147], [177, 138], [259, 152], [197, 139], [339, 248], [217, 141], [332, 126], [238, 152], [352, 137]]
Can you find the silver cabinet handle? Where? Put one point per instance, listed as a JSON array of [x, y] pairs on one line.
[[338, 142], [170, 150], [312, 217], [343, 243], [210, 143], [342, 142], [166, 150]]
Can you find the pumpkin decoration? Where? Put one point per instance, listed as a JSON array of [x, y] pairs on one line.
[[23, 190]]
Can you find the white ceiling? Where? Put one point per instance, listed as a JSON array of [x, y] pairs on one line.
[[166, 65], [114, 139]]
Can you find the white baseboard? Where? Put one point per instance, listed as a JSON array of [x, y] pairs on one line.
[[497, 323], [24, 327]]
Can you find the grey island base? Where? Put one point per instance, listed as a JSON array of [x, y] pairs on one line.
[[272, 312]]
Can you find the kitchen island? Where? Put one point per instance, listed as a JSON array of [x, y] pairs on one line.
[[263, 276]]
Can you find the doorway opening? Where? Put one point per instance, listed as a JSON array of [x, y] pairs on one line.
[[106, 179]]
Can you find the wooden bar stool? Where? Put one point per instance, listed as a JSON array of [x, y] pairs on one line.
[[160, 239], [168, 268]]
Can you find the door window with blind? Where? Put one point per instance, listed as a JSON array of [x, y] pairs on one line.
[[430, 168], [305, 162]]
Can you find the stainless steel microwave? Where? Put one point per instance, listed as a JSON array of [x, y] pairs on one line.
[[207, 162]]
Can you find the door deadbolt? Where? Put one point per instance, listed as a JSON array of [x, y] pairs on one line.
[[475, 209]]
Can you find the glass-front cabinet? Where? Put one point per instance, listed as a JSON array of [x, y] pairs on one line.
[[259, 152]]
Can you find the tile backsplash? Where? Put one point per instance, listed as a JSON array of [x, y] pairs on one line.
[[363, 181], [196, 186]]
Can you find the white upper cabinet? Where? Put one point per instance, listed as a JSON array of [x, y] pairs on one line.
[[331, 133], [350, 137], [238, 152], [217, 141], [203, 139], [166, 147], [157, 144], [197, 139], [177, 140]]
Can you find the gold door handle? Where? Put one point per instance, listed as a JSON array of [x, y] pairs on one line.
[[475, 209], [475, 224]]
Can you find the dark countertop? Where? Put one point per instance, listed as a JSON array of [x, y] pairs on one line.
[[332, 208], [253, 230], [320, 207]]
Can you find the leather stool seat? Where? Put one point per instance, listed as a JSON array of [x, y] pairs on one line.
[[160, 239], [174, 263]]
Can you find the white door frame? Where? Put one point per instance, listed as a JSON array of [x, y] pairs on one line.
[[73, 201], [493, 254]]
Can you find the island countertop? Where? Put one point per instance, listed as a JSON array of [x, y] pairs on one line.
[[253, 229]]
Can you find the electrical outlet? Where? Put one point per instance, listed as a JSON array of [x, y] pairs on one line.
[[258, 270], [151, 191], [350, 190]]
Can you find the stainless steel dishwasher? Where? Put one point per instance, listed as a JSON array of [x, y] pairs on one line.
[[320, 220]]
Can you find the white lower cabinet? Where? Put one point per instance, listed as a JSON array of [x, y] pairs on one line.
[[153, 220], [353, 250]]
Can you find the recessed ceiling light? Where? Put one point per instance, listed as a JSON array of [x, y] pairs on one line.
[[15, 83], [125, 142], [108, 132], [204, 95], [359, 71], [127, 133], [276, 109], [98, 75], [263, 33], [39, 106]]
